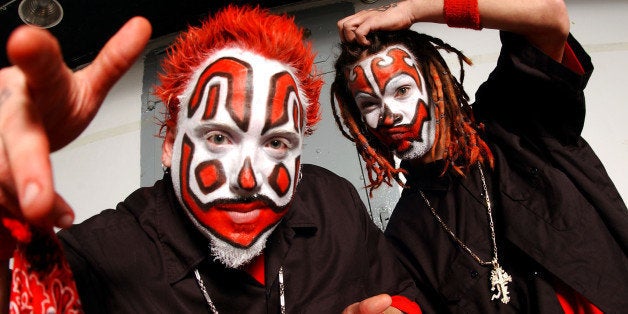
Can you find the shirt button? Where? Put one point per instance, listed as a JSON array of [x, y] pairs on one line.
[[474, 274], [534, 171]]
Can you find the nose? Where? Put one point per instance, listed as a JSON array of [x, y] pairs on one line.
[[389, 118], [246, 182]]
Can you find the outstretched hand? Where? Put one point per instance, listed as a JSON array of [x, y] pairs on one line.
[[44, 105], [373, 305]]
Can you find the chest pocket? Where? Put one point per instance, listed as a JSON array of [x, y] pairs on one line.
[[541, 190]]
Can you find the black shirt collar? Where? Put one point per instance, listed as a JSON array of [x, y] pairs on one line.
[[184, 247]]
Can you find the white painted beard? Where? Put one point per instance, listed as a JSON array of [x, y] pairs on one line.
[[419, 149], [234, 257]]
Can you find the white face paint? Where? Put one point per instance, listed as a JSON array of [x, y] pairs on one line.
[[236, 154], [391, 95]]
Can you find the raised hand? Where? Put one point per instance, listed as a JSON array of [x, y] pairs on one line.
[[390, 17], [44, 105]]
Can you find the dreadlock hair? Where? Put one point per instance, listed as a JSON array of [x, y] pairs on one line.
[[273, 36], [462, 144]]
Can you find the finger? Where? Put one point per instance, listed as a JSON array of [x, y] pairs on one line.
[[361, 32], [37, 53], [372, 305], [118, 55], [48, 82], [8, 199], [26, 147], [63, 214], [356, 28], [352, 309], [345, 31], [340, 26], [376, 304], [347, 25]]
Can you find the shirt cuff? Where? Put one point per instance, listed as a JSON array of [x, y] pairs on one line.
[[571, 61]]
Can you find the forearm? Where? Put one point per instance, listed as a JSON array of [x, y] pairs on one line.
[[544, 23]]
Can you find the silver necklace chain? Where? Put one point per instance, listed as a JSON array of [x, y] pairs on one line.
[[212, 307], [499, 278]]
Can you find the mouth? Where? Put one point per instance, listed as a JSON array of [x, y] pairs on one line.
[[244, 217], [242, 207], [395, 137], [243, 213]]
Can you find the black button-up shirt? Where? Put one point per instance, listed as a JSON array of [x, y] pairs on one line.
[[141, 257], [559, 219]]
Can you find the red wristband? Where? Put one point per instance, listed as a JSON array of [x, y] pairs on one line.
[[462, 13]]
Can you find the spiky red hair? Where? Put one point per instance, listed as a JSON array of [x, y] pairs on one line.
[[255, 29]]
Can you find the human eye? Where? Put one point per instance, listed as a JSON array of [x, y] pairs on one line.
[[278, 147], [402, 91], [367, 105], [217, 139], [277, 144]]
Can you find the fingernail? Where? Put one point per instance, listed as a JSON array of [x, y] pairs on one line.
[[65, 221], [30, 194]]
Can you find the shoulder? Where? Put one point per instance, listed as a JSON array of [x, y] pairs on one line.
[[114, 227], [318, 179], [318, 171], [325, 194]]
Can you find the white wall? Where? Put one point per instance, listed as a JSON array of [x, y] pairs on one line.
[[103, 165]]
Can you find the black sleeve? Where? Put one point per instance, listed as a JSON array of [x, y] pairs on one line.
[[87, 283], [530, 93]]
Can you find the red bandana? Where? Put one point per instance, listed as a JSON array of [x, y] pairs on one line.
[[42, 280]]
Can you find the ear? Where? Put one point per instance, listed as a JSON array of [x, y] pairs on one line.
[[166, 148]]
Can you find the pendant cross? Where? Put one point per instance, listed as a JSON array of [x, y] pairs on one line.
[[499, 282]]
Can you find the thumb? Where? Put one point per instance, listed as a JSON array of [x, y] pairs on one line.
[[372, 305]]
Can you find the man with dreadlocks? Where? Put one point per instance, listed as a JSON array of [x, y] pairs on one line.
[[236, 225], [505, 208]]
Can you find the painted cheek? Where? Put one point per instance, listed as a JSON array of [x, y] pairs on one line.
[[210, 176], [280, 180], [372, 118], [422, 115]]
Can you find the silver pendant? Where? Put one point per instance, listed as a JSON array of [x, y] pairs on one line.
[[499, 282]]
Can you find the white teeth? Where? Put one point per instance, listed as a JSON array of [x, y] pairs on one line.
[[243, 218]]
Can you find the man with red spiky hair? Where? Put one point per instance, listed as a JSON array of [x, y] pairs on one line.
[[237, 224]]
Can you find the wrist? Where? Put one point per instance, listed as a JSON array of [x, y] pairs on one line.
[[462, 14], [425, 10]]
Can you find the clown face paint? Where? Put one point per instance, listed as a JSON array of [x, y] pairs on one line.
[[236, 154], [390, 93]]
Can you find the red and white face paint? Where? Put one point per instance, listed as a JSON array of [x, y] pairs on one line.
[[391, 95], [237, 150]]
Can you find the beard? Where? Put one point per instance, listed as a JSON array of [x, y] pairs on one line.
[[417, 148], [234, 257]]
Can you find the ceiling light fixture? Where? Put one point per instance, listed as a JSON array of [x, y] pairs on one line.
[[40, 13]]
